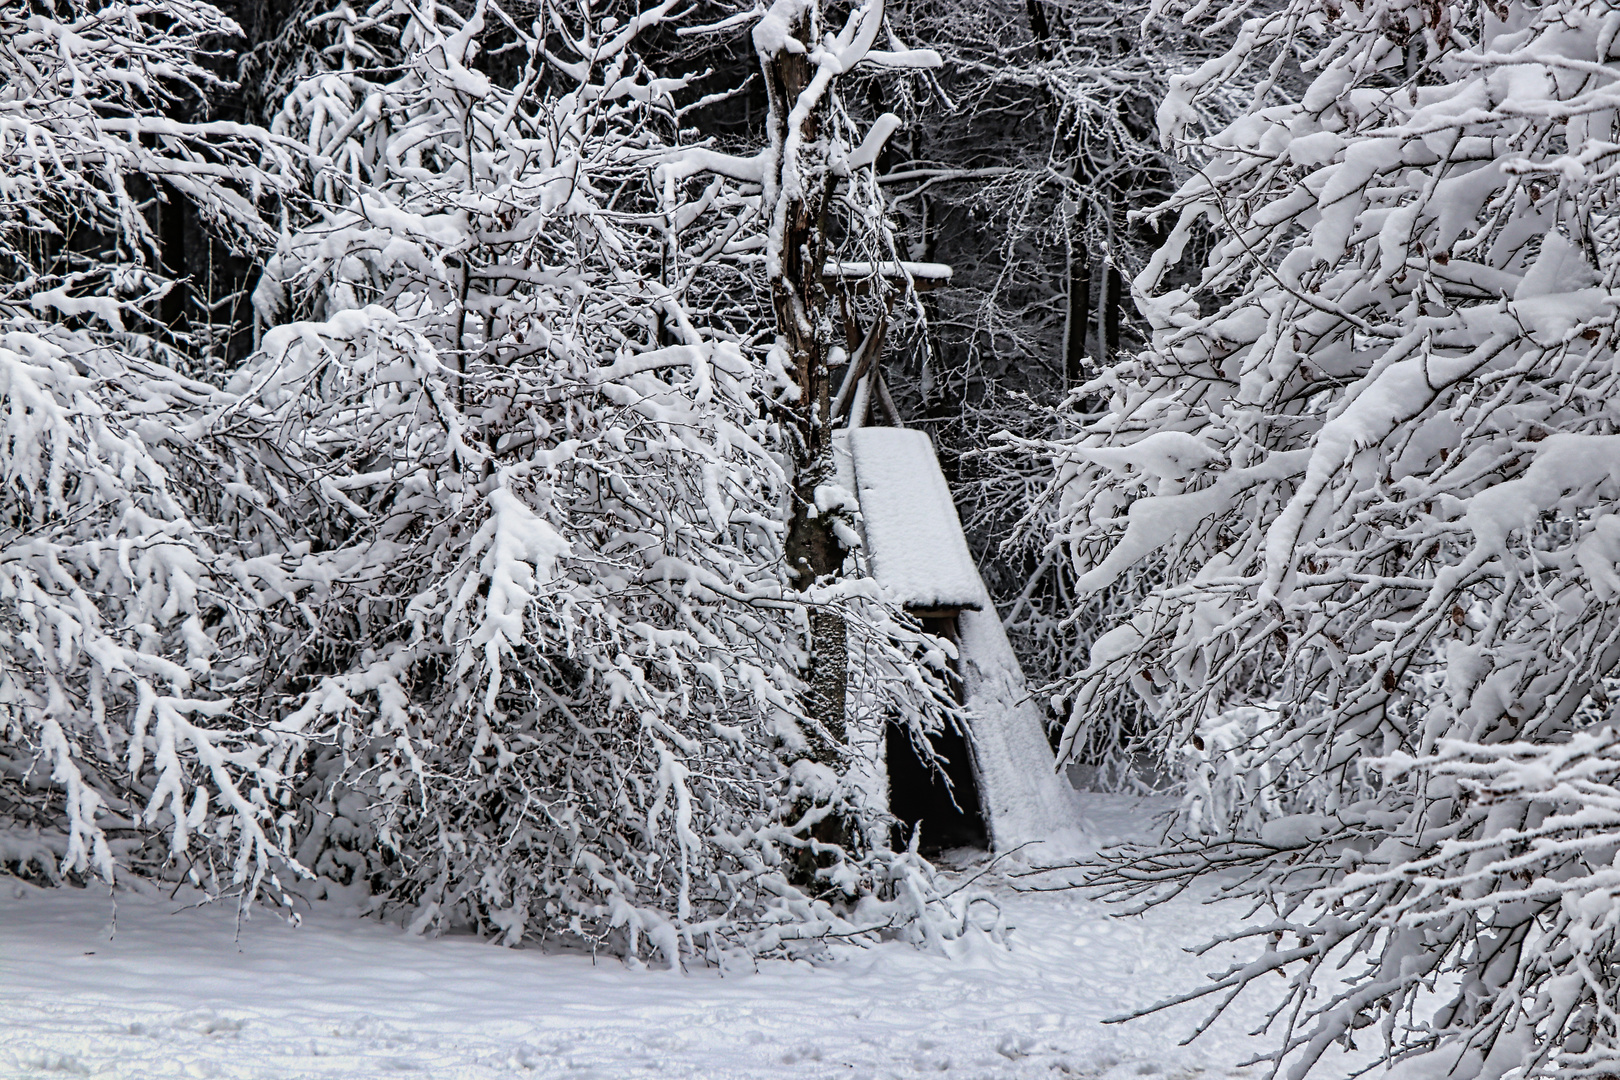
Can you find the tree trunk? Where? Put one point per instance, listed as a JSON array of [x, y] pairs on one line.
[[1079, 315], [171, 214], [1040, 28], [1108, 326], [796, 194], [1110, 288]]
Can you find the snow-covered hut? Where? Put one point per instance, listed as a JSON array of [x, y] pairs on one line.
[[1004, 772]]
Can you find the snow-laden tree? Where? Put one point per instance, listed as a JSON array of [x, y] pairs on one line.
[[826, 239], [1027, 182], [91, 159], [467, 591], [836, 280], [1374, 454], [123, 613], [543, 644]]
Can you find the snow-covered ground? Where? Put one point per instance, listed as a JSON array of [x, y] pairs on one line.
[[185, 993]]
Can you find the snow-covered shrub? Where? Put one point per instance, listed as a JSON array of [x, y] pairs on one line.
[[126, 616], [1375, 449], [467, 590], [549, 666]]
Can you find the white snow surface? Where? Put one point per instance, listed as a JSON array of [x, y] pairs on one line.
[[913, 536], [1025, 800], [182, 992]]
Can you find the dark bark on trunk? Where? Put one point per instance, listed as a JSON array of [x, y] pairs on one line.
[[1079, 316], [171, 213], [799, 299], [829, 676], [1107, 312], [1108, 327], [1039, 28]]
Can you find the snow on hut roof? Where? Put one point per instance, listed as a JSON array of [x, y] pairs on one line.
[[913, 537]]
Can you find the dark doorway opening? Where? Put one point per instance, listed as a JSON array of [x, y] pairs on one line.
[[950, 816]]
